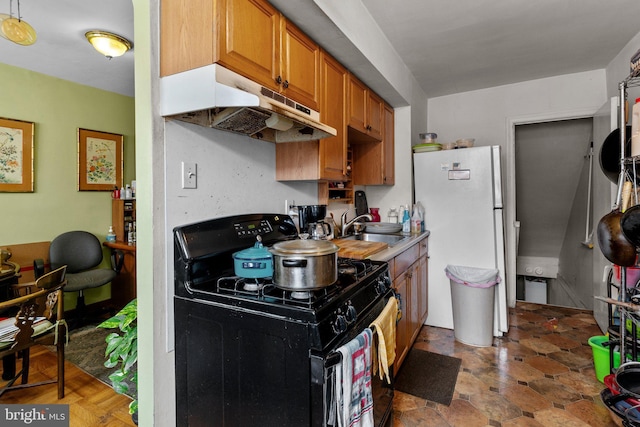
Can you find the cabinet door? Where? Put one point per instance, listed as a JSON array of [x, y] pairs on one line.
[[357, 103], [388, 174], [187, 35], [403, 334], [333, 151], [300, 65], [375, 113], [423, 289], [414, 321], [249, 41]]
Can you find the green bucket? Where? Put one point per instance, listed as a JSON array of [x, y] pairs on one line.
[[601, 357]]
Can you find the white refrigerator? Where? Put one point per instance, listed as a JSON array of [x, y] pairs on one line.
[[461, 191]]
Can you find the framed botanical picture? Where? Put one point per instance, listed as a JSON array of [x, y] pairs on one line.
[[16, 156], [100, 160]]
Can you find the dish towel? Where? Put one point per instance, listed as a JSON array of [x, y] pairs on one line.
[[384, 327], [353, 383]]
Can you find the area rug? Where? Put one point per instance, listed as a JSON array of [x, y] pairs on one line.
[[428, 375], [86, 350]]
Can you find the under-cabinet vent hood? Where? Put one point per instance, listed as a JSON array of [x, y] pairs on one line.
[[216, 97]]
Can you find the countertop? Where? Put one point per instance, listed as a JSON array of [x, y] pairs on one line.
[[389, 253]]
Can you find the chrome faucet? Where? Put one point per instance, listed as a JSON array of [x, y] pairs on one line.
[[346, 225]]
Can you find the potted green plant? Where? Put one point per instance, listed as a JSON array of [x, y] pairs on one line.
[[122, 351]]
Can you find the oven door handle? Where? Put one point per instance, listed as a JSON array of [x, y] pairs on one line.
[[332, 359]]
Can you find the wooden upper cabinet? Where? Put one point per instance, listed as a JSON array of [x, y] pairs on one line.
[[357, 105], [326, 158], [249, 37], [333, 151], [388, 141], [187, 35], [249, 40], [373, 162], [299, 66], [375, 108], [365, 112]]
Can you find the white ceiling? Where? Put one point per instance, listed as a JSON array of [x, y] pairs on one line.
[[61, 49], [450, 46]]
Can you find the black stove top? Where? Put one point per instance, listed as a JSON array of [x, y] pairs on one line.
[[204, 272], [350, 271]]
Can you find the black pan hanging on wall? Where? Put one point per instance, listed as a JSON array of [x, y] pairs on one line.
[[613, 242], [610, 154], [630, 223]]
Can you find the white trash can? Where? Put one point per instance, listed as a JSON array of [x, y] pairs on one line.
[[472, 299]]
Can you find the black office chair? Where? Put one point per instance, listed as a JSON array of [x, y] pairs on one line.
[[81, 252]]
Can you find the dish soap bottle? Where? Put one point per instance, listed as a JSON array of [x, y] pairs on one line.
[[111, 235], [406, 221], [416, 221]]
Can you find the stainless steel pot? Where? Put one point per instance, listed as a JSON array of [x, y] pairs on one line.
[[304, 265]]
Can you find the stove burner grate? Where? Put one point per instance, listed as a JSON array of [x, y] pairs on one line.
[[266, 291], [356, 268]]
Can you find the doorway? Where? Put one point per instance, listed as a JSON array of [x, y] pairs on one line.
[[553, 162]]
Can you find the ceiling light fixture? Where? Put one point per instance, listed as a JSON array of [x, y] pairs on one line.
[[16, 29], [108, 44]]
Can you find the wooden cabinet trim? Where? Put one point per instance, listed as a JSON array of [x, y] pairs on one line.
[[410, 280]]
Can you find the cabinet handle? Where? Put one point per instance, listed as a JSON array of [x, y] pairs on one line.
[[285, 84], [279, 80]]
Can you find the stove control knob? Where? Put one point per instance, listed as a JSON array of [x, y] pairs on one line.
[[351, 314], [340, 324], [382, 284]]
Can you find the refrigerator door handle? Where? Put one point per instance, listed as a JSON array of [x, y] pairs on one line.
[[497, 177]]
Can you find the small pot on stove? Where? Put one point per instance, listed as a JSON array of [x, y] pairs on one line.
[[304, 265], [253, 263]]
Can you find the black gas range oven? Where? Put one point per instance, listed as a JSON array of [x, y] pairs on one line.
[[251, 354]]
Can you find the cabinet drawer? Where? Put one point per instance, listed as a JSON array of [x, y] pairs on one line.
[[424, 247], [403, 261]]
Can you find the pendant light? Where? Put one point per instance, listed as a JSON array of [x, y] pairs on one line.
[[108, 44], [16, 29]]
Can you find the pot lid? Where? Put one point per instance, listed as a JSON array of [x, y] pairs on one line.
[[257, 251], [253, 253], [304, 247]]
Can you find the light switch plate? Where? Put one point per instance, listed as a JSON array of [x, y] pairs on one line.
[[189, 175]]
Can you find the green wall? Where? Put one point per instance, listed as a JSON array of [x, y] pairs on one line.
[[58, 108]]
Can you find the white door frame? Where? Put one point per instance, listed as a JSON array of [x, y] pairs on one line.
[[510, 180]]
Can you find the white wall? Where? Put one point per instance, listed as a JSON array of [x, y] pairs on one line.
[[618, 69], [489, 116]]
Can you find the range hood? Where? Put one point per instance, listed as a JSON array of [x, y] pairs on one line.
[[217, 97]]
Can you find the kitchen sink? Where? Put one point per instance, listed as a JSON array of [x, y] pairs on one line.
[[390, 239]]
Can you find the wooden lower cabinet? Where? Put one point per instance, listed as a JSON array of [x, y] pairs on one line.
[[410, 281], [402, 327]]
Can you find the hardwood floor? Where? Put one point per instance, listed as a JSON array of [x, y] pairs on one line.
[[91, 402]]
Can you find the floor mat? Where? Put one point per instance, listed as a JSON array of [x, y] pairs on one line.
[[429, 376]]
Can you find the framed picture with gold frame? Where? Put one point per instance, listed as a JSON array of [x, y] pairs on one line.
[[16, 156], [100, 161]]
